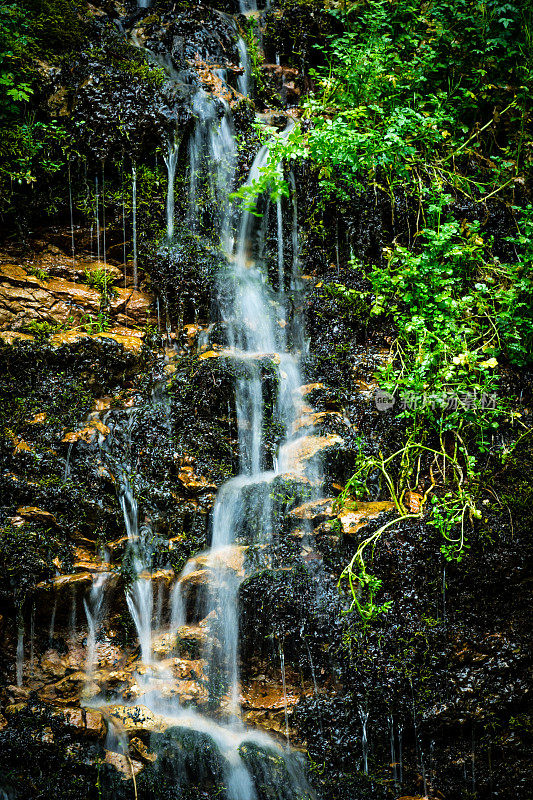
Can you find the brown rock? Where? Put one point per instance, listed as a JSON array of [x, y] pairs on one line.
[[131, 343], [10, 337], [131, 306], [82, 580], [356, 515], [191, 481], [315, 510], [24, 297], [309, 419], [67, 687], [14, 708], [127, 766], [300, 452], [139, 749], [53, 665], [309, 387], [88, 433], [413, 501], [35, 514], [103, 403], [87, 720], [37, 419]]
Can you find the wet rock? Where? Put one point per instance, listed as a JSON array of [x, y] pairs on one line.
[[315, 510], [54, 665], [25, 298], [134, 719], [354, 516], [128, 767], [139, 750], [311, 419], [190, 480], [34, 514], [59, 584], [88, 433], [67, 688], [298, 455], [14, 337], [86, 720]]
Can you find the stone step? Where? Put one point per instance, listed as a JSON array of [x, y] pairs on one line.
[[297, 455]]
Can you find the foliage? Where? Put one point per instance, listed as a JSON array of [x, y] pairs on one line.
[[400, 101], [255, 54], [41, 330], [98, 324], [101, 280], [412, 99]]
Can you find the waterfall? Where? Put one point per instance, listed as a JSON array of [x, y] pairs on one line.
[[211, 162], [71, 220], [364, 738], [281, 257], [97, 205], [140, 597], [244, 81], [204, 598], [171, 160], [93, 611], [20, 655], [134, 222]]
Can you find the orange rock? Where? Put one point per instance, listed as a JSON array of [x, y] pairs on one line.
[[314, 510], [19, 445], [128, 767], [131, 343], [36, 514], [191, 481], [298, 453], [88, 433], [103, 404], [10, 337], [37, 419], [68, 337], [309, 387], [138, 748], [356, 515], [82, 580], [87, 720], [413, 501], [310, 419]]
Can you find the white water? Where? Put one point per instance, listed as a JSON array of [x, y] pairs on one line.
[[255, 320], [244, 81], [171, 160], [20, 656], [134, 222], [97, 208], [71, 222], [93, 611]]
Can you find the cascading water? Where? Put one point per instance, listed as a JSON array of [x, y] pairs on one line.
[[244, 81], [204, 599], [171, 160]]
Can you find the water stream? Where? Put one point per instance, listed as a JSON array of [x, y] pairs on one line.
[[205, 596]]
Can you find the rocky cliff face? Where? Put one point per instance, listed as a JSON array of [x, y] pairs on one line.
[[113, 353]]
